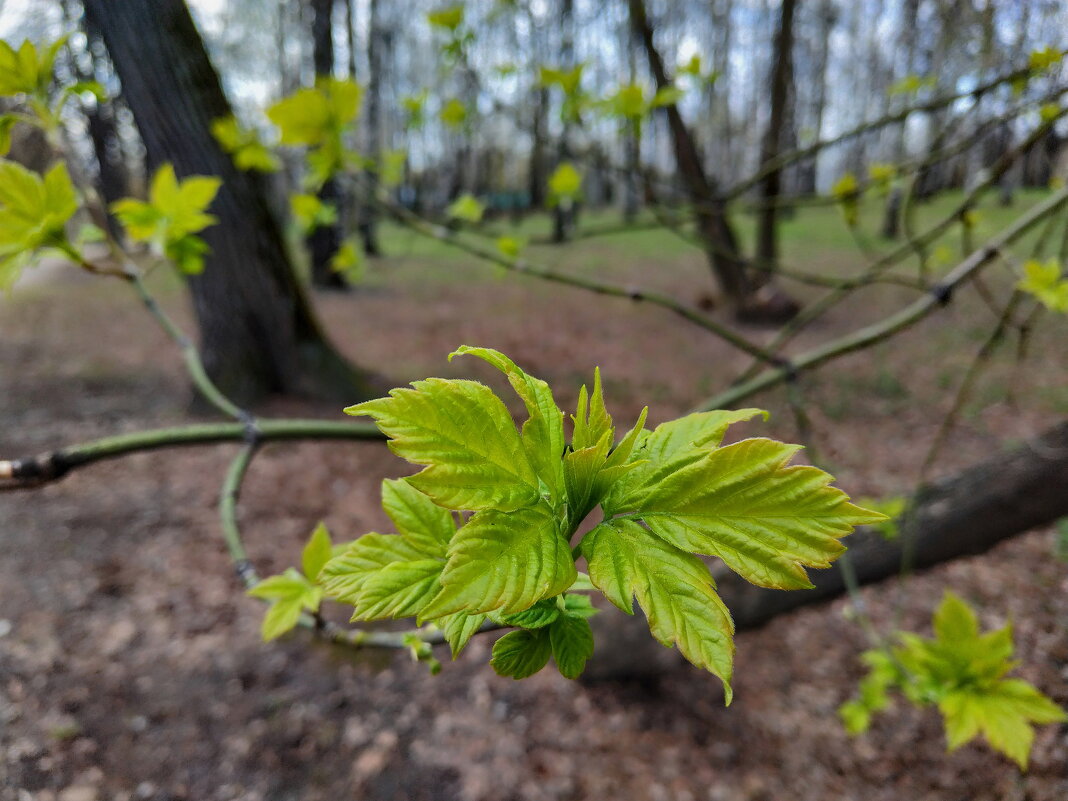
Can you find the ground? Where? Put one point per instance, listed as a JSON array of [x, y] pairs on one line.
[[131, 665]]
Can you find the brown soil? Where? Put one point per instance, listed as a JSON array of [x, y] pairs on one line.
[[131, 666]]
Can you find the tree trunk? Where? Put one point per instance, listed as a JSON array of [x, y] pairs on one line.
[[964, 515], [564, 212], [750, 301], [325, 240], [258, 333], [780, 85], [368, 215]]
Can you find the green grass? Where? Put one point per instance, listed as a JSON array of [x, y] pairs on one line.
[[814, 238]]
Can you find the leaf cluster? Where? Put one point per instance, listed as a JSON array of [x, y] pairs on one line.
[[34, 211], [176, 210], [962, 672], [487, 530]]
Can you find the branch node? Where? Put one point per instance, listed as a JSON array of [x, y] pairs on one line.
[[789, 369], [246, 573], [942, 292]]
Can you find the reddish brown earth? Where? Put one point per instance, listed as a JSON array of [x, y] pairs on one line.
[[131, 665]]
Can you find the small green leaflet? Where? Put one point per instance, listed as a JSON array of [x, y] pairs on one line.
[[453, 113], [521, 654], [572, 643], [674, 589], [289, 595], [426, 526], [466, 208], [244, 146], [462, 432], [316, 117], [505, 561], [450, 17], [568, 640], [317, 552], [174, 213], [565, 184], [962, 671], [310, 212], [1043, 280], [27, 70], [33, 215], [543, 432]]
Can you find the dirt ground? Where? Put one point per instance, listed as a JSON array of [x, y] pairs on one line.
[[131, 666]]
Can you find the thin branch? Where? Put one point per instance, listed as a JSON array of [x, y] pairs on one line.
[[54, 465], [886, 328]]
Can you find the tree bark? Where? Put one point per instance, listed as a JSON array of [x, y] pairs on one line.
[[963, 515], [368, 215], [258, 333], [325, 240], [780, 85], [751, 301]]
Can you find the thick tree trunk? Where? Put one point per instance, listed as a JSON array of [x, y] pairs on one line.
[[750, 300], [781, 87], [258, 333], [966, 514], [324, 241]]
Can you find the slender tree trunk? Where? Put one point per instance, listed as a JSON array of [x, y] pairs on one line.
[[750, 301], [373, 121], [781, 80], [536, 173], [258, 332], [325, 240], [564, 212]]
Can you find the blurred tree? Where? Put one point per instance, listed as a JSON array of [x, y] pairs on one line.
[[258, 332]]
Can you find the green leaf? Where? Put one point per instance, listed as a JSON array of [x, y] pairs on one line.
[[511, 247], [244, 146], [349, 260], [464, 435], [458, 629], [675, 590], [1043, 281], [572, 643], [672, 446], [543, 432], [317, 552], [591, 419], [667, 96], [453, 113], [289, 594], [400, 589], [33, 214], [7, 125], [426, 526], [541, 614], [629, 102], [1003, 713], [954, 620], [466, 208], [504, 562], [1045, 58], [391, 167], [521, 654], [579, 605], [281, 616], [316, 117], [742, 503], [565, 184], [310, 212], [450, 17], [344, 576]]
